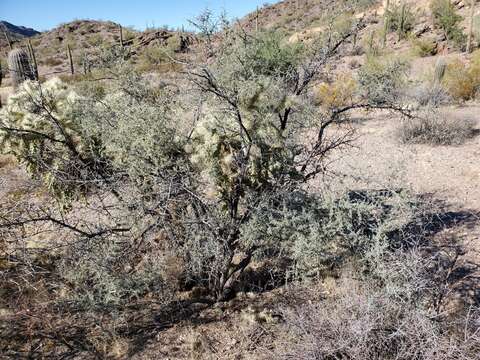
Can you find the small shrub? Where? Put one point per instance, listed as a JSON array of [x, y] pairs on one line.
[[424, 47], [363, 324], [372, 43], [95, 40], [53, 61], [154, 57], [462, 81], [435, 128], [337, 94], [432, 95], [382, 79], [99, 274], [129, 34], [331, 232]]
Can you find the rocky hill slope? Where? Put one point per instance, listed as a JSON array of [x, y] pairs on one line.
[[87, 38], [14, 32]]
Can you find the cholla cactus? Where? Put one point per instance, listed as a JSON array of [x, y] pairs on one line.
[[218, 146], [38, 127], [439, 73], [20, 67]]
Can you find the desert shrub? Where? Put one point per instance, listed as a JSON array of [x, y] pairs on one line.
[[101, 275], [432, 95], [364, 323], [381, 80], [446, 18], [358, 225], [392, 308], [462, 81], [96, 90], [424, 47], [321, 234], [95, 40], [338, 93], [154, 57], [201, 184], [52, 61], [269, 55], [129, 34], [436, 128]]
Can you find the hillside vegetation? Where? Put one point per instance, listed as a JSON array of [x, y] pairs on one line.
[[268, 188]]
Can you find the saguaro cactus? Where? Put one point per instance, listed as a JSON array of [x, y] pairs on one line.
[[20, 67], [7, 38], [120, 29], [386, 22], [401, 26], [439, 73], [470, 26], [33, 59], [70, 59]]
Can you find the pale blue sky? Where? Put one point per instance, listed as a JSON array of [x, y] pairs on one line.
[[46, 14]]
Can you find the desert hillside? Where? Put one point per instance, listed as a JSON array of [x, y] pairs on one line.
[[13, 32], [299, 183]]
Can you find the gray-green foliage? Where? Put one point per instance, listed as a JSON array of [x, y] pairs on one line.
[[319, 234], [100, 273], [382, 79], [436, 128], [135, 125], [257, 86], [202, 187]]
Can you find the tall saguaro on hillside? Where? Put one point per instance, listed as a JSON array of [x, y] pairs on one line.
[[470, 26], [386, 20], [70, 59]]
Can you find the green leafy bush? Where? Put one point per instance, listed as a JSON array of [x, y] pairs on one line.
[[447, 19]]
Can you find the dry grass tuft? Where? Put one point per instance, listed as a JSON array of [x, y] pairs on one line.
[[436, 128]]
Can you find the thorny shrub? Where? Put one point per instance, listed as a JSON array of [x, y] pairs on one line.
[[461, 80], [436, 128]]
